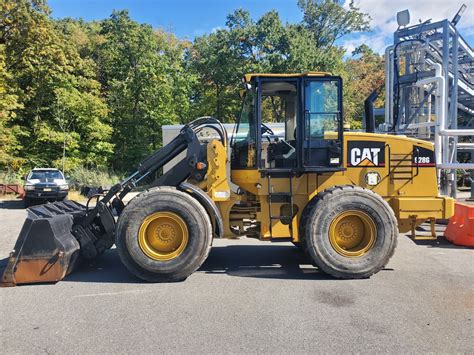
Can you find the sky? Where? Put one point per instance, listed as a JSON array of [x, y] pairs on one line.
[[191, 18]]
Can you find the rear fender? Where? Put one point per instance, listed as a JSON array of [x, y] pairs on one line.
[[208, 204]]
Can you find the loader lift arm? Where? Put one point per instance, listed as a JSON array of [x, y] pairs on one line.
[[56, 234], [100, 218]]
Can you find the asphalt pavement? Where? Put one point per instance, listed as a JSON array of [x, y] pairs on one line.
[[249, 297]]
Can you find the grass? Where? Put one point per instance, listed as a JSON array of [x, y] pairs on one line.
[[74, 195], [9, 177], [8, 197], [81, 177]]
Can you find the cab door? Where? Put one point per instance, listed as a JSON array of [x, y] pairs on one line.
[[322, 124]]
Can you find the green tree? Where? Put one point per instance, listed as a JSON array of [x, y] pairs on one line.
[[139, 70], [364, 73], [218, 69], [8, 105], [174, 52], [329, 21], [99, 92], [45, 65], [220, 59]]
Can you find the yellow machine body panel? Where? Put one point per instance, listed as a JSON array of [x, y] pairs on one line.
[[217, 180], [402, 170]]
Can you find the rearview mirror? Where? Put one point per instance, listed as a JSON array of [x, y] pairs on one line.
[[247, 86]]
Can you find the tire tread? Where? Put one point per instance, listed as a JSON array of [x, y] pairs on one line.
[[322, 198]]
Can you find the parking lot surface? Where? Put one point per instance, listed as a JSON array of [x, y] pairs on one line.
[[249, 296]]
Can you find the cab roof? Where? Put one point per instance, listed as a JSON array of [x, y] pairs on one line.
[[249, 77]]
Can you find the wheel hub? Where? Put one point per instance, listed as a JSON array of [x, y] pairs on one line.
[[352, 233], [348, 231], [163, 236], [165, 233]]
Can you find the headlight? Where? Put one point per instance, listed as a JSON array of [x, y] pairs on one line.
[[29, 187], [64, 187]]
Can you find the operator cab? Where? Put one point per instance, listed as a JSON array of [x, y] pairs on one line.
[[290, 122]]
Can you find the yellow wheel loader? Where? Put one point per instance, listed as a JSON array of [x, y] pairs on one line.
[[341, 196]]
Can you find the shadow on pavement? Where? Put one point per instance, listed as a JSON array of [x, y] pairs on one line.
[[264, 262], [441, 242], [12, 204], [275, 262], [107, 268]]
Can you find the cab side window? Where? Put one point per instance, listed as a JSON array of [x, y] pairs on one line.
[[244, 139], [322, 123], [321, 107], [278, 112]]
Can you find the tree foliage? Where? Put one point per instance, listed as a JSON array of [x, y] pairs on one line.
[[138, 73], [268, 45], [58, 96], [364, 73], [328, 21], [8, 105], [102, 90]]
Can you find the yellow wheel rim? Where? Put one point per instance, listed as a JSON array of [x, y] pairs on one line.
[[352, 233], [163, 236]]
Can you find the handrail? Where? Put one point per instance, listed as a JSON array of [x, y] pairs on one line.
[[389, 158], [417, 161]]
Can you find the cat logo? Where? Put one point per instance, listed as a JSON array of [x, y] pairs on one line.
[[365, 154], [365, 157]]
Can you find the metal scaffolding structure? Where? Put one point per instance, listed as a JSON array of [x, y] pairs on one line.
[[429, 88]]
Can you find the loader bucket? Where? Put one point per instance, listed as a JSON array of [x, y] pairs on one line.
[[46, 250]]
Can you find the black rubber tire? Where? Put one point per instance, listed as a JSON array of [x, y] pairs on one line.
[[317, 218], [164, 199]]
